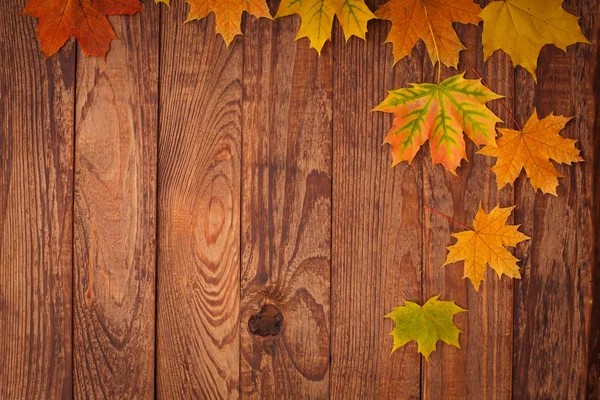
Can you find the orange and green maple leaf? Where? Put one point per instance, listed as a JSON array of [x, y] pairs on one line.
[[425, 325], [84, 19], [430, 21], [440, 113], [486, 245], [532, 149], [317, 18], [228, 14]]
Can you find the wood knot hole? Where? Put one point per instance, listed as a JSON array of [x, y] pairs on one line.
[[266, 322]]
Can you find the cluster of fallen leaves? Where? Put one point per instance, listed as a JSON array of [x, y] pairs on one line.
[[441, 113]]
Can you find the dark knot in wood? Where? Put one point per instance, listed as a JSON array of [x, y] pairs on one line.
[[266, 322]]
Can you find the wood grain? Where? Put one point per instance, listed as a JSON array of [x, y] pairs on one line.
[[115, 214], [199, 210], [377, 235], [286, 212], [482, 368], [553, 301], [36, 187]]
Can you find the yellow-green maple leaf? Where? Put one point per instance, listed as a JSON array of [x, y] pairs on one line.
[[522, 27], [425, 325], [440, 113], [228, 13], [532, 149], [486, 245], [430, 21], [317, 18]]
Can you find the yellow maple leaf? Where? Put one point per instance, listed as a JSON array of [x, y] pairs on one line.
[[425, 325], [430, 21], [317, 18], [522, 27], [228, 13], [532, 149], [440, 113], [486, 245]]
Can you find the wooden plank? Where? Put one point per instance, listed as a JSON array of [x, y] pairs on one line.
[[377, 235], [36, 181], [199, 210], [115, 214], [286, 214], [482, 369], [553, 302]]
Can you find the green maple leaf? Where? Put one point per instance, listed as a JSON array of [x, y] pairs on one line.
[[425, 325]]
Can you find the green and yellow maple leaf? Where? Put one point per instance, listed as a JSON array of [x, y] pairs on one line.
[[486, 245], [430, 21], [440, 113], [228, 13], [522, 27], [425, 325], [532, 149], [317, 18]]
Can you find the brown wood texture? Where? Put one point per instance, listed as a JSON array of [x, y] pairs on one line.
[[190, 220], [554, 300], [199, 161], [36, 202], [377, 235], [115, 214], [286, 212]]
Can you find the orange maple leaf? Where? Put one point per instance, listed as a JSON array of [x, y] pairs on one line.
[[486, 245], [228, 13], [84, 19], [532, 149], [431, 21]]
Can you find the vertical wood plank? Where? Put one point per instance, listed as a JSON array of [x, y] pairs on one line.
[[199, 210], [286, 214], [377, 236], [482, 369], [553, 302], [36, 186], [115, 213]]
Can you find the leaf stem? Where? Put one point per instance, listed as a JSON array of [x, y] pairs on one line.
[[437, 52], [501, 102], [447, 217]]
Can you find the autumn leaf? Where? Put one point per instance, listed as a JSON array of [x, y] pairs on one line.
[[487, 245], [84, 19], [532, 149], [440, 113], [425, 325], [522, 27], [430, 21], [228, 14], [317, 18]]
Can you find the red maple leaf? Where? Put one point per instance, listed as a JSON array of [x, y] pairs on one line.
[[84, 19]]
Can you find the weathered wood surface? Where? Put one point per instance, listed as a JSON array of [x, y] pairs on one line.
[[286, 212], [36, 203], [115, 214], [187, 220], [199, 161]]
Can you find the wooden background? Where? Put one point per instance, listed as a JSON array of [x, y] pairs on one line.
[[152, 204]]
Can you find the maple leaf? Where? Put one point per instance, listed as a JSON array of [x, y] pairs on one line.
[[486, 245], [425, 325], [84, 19], [430, 21], [441, 113], [532, 149], [522, 27], [317, 18], [228, 14]]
